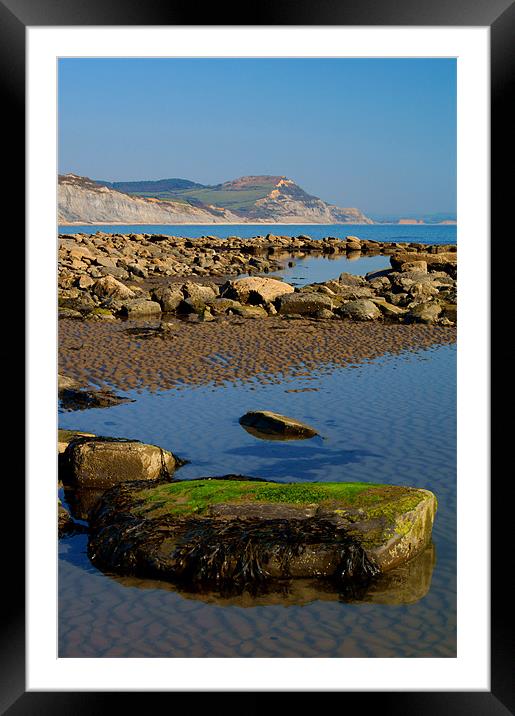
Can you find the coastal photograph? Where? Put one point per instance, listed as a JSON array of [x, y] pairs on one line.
[[257, 325]]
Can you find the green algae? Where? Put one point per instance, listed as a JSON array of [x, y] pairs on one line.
[[367, 501]]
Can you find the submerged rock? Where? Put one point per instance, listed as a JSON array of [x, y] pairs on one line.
[[103, 462], [264, 423], [240, 533]]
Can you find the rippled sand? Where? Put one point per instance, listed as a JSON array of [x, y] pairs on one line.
[[131, 354]]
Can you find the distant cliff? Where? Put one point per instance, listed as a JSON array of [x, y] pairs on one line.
[[252, 199]]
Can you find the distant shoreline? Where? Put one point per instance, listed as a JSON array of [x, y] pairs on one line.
[[261, 223]]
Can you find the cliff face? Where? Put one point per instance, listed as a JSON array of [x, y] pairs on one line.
[[83, 201], [252, 199]]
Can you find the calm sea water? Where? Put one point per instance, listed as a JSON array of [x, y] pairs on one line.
[[433, 234], [391, 420]]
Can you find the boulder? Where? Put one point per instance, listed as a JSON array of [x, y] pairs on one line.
[[268, 423], [304, 303], [168, 297], [102, 462], [362, 309], [256, 290], [235, 531], [109, 287], [139, 307], [424, 312], [198, 293]]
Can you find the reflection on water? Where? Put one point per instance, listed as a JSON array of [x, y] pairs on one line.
[[403, 585], [391, 421]]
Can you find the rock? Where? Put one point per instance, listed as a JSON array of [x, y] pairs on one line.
[[138, 270], [221, 305], [64, 382], [349, 279], [73, 399], [168, 297], [85, 282], [267, 423], [109, 287], [105, 261], [198, 293], [102, 462], [69, 313], [65, 524], [64, 438], [421, 292], [256, 290], [304, 303], [389, 309], [444, 261], [420, 266], [239, 532], [140, 307], [424, 312], [250, 311], [361, 310]]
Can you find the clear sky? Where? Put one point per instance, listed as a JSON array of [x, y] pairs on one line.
[[377, 134]]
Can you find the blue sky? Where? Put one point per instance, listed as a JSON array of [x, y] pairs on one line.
[[378, 134]]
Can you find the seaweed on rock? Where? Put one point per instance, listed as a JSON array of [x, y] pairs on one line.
[[234, 556]]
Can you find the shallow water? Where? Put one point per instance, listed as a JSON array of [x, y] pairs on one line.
[[391, 420], [316, 269], [428, 233]]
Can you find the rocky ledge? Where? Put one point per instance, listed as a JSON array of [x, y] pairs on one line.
[[135, 276], [236, 532]]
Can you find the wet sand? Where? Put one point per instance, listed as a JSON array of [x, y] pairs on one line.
[[139, 354]]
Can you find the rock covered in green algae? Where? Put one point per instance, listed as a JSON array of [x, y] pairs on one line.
[[239, 532], [265, 423]]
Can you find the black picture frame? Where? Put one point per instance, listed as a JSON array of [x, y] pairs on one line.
[[499, 15]]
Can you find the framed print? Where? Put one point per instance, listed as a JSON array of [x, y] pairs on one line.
[[273, 431]]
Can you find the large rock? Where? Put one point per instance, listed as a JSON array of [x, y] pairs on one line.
[[267, 423], [256, 290], [234, 531], [305, 303], [140, 307], [109, 287], [168, 297], [103, 462], [198, 293], [361, 310], [444, 261]]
